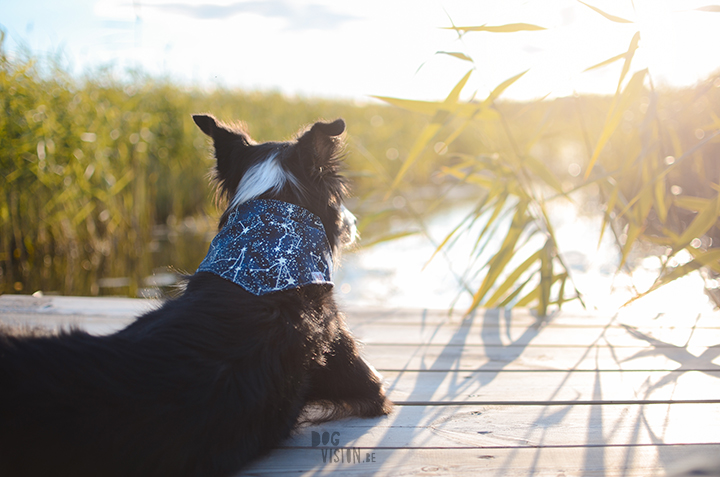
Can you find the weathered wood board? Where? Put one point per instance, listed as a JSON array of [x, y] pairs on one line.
[[499, 392]]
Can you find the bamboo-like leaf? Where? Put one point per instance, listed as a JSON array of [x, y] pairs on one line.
[[512, 279], [499, 206], [609, 206], [83, 213], [421, 143], [121, 183], [645, 199], [660, 204], [688, 202], [664, 241], [541, 171], [634, 43], [688, 153], [607, 62], [715, 123], [388, 238], [615, 116], [634, 231], [449, 236], [375, 217], [509, 299], [703, 221], [546, 277], [429, 108], [504, 254], [535, 293], [455, 54], [612, 18], [509, 28], [697, 254], [441, 115], [481, 180], [454, 95], [705, 259], [502, 87], [561, 293]]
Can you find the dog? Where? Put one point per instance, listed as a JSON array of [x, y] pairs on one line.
[[222, 373]]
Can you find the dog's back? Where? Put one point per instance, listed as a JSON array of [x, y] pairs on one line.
[[182, 391]]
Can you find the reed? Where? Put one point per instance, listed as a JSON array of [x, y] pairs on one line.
[[649, 157], [93, 169]]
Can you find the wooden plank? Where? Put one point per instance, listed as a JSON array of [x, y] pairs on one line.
[[496, 358], [103, 315], [521, 426], [567, 461], [492, 318], [381, 333], [523, 317], [536, 386], [97, 315], [70, 305]]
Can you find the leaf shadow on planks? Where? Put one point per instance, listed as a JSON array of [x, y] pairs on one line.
[[449, 359], [499, 356]]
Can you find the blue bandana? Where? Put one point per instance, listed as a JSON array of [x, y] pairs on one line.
[[268, 246]]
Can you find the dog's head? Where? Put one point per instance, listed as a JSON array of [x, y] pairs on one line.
[[305, 172]]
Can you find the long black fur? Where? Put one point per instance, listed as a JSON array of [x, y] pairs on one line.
[[209, 381]]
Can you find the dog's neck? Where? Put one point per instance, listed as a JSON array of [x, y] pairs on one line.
[[269, 246]]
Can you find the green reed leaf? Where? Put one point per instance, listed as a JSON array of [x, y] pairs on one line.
[[710, 259], [535, 293], [632, 90], [512, 279], [542, 172], [499, 89], [440, 117], [388, 238], [500, 260], [706, 218], [509, 28], [454, 54], [607, 62], [612, 18], [694, 204], [546, 277], [633, 232]]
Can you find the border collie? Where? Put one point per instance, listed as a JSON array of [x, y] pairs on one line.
[[220, 374]]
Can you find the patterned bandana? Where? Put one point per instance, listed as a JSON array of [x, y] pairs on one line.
[[268, 246]]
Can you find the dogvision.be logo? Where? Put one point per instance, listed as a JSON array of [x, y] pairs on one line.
[[331, 453]]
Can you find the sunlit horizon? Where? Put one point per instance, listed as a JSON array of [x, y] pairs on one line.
[[353, 50]]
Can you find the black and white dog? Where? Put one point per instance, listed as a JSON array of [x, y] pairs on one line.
[[221, 374]]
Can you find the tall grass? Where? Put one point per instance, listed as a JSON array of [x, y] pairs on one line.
[[649, 157], [93, 169]]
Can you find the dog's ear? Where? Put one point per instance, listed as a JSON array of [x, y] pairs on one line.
[[231, 144], [218, 132], [206, 123], [324, 140], [334, 128]]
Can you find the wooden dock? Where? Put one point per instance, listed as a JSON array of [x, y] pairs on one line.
[[498, 393]]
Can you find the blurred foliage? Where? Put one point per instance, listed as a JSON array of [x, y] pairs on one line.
[[95, 171], [649, 157], [98, 171]]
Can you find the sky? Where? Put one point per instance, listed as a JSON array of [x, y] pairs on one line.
[[356, 49]]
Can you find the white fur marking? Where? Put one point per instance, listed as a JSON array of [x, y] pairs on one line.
[[349, 233], [260, 178]]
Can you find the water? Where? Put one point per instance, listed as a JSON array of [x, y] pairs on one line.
[[397, 274]]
